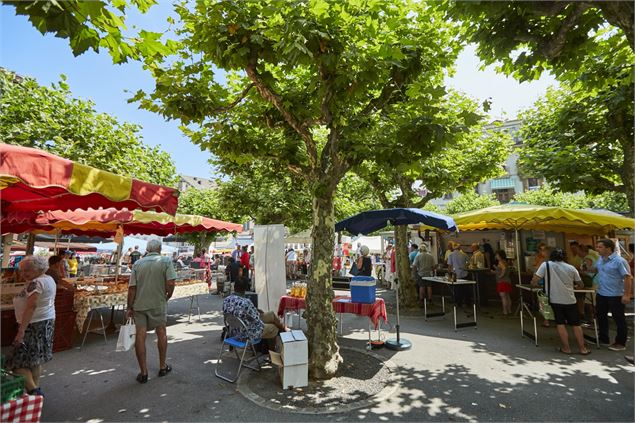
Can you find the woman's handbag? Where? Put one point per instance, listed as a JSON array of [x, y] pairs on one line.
[[127, 334], [543, 299]]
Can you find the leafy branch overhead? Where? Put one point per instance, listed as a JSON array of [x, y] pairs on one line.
[[49, 118]]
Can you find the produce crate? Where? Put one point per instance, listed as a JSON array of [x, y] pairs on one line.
[[64, 331], [64, 300], [12, 386]]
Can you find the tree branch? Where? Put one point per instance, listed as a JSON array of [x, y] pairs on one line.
[[231, 105], [620, 14], [552, 47], [275, 99]]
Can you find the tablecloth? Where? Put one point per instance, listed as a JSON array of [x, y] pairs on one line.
[[341, 304], [183, 291], [27, 408], [84, 303]]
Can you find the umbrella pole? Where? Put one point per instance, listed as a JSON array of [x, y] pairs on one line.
[[57, 238], [398, 344], [518, 257]]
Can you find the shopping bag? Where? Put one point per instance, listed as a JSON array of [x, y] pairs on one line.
[[544, 306], [126, 336]]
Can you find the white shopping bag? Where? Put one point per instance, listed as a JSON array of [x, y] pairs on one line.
[[126, 336]]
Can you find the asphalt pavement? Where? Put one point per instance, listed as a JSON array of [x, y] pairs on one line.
[[488, 373]]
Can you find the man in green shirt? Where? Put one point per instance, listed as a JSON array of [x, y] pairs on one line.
[[151, 286]]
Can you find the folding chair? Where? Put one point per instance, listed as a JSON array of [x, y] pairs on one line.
[[234, 324]]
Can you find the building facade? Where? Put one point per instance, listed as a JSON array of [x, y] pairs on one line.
[[512, 182]]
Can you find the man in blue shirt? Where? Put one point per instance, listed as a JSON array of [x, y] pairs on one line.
[[613, 292]]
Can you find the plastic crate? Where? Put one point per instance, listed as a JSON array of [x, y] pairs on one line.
[[64, 331], [12, 386]]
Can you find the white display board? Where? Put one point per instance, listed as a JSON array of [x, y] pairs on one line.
[[270, 277]]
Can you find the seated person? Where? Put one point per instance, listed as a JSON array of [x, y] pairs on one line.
[[260, 324]]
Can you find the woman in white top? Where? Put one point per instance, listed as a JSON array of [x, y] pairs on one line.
[[35, 313], [560, 280]]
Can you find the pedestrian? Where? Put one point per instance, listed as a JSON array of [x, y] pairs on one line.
[[364, 263], [291, 258], [503, 282], [151, 286], [34, 309], [477, 261], [423, 266], [457, 263], [236, 253], [561, 278], [135, 255], [72, 265], [613, 293]]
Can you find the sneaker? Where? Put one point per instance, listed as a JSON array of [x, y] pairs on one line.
[[617, 347]]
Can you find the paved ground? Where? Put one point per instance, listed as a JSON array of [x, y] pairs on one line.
[[486, 374]]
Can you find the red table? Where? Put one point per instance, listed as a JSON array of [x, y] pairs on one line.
[[341, 304], [27, 408]]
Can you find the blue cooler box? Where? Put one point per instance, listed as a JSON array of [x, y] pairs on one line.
[[363, 289]]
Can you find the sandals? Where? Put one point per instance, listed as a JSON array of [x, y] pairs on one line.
[[587, 352], [560, 350], [141, 378], [163, 372]]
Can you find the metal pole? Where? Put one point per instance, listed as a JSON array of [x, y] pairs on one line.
[[518, 257]]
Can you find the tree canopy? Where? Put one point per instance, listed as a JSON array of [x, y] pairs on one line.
[[549, 196], [580, 138], [50, 119], [470, 201], [94, 24], [528, 37], [305, 84]]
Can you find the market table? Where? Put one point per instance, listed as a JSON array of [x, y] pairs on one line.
[[342, 304], [192, 290], [452, 284], [27, 408], [589, 295]]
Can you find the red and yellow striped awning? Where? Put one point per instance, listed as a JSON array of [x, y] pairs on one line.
[[34, 180], [106, 221]]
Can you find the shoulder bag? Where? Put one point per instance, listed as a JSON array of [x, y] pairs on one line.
[[543, 299]]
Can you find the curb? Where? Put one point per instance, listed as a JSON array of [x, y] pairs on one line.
[[384, 394]]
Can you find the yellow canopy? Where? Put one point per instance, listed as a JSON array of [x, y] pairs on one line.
[[515, 216]]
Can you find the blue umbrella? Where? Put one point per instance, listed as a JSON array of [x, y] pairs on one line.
[[373, 220]]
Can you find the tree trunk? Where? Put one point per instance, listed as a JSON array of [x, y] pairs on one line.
[[628, 176], [324, 356], [407, 288]]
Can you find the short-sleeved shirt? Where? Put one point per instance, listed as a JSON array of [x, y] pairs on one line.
[[245, 310], [458, 261], [424, 262], [149, 276], [45, 307], [244, 260], [292, 256], [412, 256], [611, 273], [135, 256], [478, 260], [561, 281]]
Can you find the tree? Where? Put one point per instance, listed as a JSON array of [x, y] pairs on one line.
[[208, 203], [431, 150], [528, 37], [50, 119], [580, 138], [305, 83], [471, 201], [93, 25], [548, 196]]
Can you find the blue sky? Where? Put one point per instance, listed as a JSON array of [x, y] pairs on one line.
[[93, 76]]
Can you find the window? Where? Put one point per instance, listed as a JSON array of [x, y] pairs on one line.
[[533, 183], [504, 195]]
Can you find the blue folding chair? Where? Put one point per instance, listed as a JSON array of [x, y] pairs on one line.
[[234, 324]]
